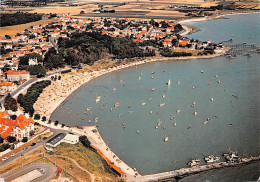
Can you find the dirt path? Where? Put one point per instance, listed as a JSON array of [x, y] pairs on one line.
[[92, 176]]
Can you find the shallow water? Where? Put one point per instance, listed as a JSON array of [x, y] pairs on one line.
[[147, 151]]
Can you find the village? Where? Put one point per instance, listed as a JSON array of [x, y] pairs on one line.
[[154, 35]]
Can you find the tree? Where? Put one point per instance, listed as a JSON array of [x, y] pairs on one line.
[[37, 116], [54, 61], [13, 117], [25, 59], [44, 118], [56, 122], [25, 139], [11, 139], [84, 140], [1, 139], [31, 133]]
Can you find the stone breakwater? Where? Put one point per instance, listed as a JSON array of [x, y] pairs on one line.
[[189, 171]]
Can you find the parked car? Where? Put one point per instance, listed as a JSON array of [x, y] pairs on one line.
[[39, 141], [4, 159], [12, 154], [25, 148], [44, 138], [33, 144]]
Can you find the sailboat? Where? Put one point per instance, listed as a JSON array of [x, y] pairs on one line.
[[169, 83]]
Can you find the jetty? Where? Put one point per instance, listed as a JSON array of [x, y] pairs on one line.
[[189, 171]]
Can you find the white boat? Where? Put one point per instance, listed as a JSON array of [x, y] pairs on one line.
[[114, 89], [189, 127], [111, 109], [193, 87], [96, 119], [163, 96], [89, 121], [216, 76], [178, 111], [162, 104], [150, 99], [143, 103], [88, 108], [137, 131], [139, 78], [169, 82], [174, 124], [205, 122], [166, 139], [195, 113], [172, 118], [178, 82], [98, 98], [131, 112], [218, 81], [129, 106], [194, 162], [211, 99], [211, 159], [151, 112], [152, 77], [202, 71], [116, 105]]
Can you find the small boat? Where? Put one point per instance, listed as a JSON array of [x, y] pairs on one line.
[[208, 119], [230, 125], [153, 89], [150, 99], [211, 99], [193, 104], [194, 162], [218, 81], [178, 111], [116, 105], [195, 113], [120, 115], [162, 104], [131, 112], [121, 81], [169, 82], [215, 117], [143, 103], [141, 73], [163, 96], [164, 128], [114, 89], [152, 72], [137, 131], [174, 124], [166, 139], [216, 76], [189, 127], [178, 82], [82, 118], [205, 122], [88, 108], [96, 119], [139, 78], [152, 77], [98, 99], [129, 106], [211, 159], [111, 109], [89, 121], [202, 71], [193, 87], [151, 112], [172, 118]]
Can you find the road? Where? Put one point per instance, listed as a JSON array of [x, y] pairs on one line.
[[48, 171], [31, 81], [23, 152]]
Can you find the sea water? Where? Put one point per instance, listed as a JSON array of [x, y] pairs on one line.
[[235, 101]]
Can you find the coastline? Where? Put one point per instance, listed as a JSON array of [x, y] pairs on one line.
[[56, 94]]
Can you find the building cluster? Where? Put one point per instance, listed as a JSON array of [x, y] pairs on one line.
[[19, 128], [38, 39]]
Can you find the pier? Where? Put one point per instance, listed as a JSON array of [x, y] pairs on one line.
[[189, 171]]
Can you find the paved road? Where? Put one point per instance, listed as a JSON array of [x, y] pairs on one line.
[[48, 171], [23, 152], [32, 80]]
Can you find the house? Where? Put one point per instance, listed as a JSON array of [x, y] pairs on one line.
[[19, 128], [13, 75], [6, 87], [8, 46], [33, 61]]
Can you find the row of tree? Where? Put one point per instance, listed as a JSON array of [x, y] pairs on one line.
[[26, 101], [18, 18]]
